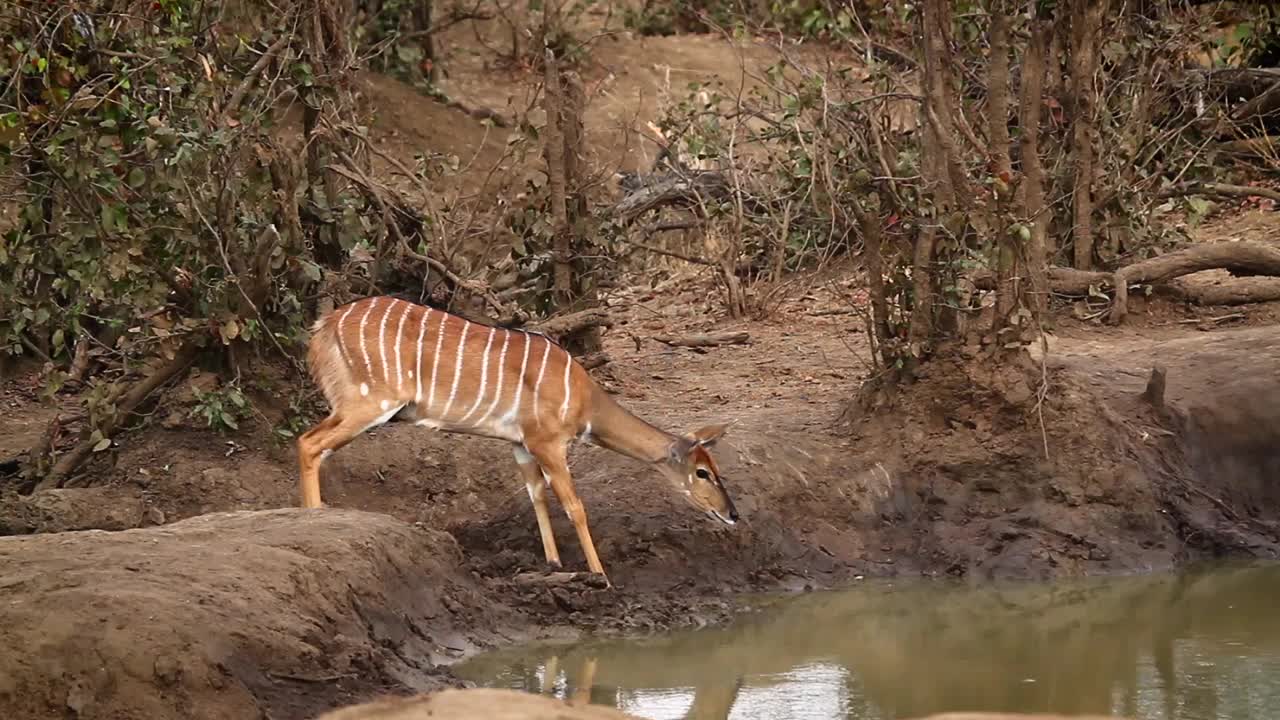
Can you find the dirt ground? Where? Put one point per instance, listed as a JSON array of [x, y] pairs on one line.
[[181, 584]]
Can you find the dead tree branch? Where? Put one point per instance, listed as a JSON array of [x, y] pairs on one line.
[[1240, 258], [128, 402], [1220, 189], [689, 191], [573, 322], [709, 340]]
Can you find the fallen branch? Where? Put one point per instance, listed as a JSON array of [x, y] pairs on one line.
[[480, 112], [1263, 146], [711, 340], [560, 578], [573, 322], [684, 190], [1241, 258], [1062, 280], [128, 402], [1237, 84], [1221, 189], [1236, 291], [1265, 104]]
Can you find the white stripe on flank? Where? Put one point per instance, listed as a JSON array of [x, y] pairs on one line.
[[398, 349], [564, 406], [417, 365], [514, 412], [457, 370], [364, 348], [435, 360], [537, 384], [343, 321], [484, 375], [502, 365], [382, 342]]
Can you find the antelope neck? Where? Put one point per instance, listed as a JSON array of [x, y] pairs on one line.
[[615, 428]]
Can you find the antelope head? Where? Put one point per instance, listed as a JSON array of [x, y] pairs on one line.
[[692, 469]]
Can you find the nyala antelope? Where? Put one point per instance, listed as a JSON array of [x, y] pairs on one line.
[[383, 358]]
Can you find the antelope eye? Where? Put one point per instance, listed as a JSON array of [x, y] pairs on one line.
[[702, 474]]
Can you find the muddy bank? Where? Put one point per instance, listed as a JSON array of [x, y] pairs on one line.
[[278, 614]]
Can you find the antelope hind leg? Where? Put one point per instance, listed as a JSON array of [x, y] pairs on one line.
[[536, 484]]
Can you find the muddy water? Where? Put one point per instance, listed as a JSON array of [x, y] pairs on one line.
[[1191, 646]]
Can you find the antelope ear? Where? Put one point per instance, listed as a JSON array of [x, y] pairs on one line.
[[678, 451], [707, 434]]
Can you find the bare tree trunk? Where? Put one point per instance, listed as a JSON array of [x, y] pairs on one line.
[[583, 283], [1030, 201], [873, 257], [553, 151], [942, 163], [940, 110], [326, 99], [1086, 25], [422, 23], [1008, 246]]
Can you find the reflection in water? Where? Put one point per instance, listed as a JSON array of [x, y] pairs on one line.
[[1195, 646]]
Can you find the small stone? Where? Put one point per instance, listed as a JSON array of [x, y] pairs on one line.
[[167, 670]]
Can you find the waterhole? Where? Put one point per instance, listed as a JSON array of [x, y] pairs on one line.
[[1196, 645]]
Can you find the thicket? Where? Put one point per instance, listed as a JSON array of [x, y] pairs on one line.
[[192, 181]]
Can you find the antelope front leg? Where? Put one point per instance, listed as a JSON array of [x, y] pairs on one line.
[[554, 463], [536, 484]]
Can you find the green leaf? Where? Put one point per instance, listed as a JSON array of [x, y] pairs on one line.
[[102, 444]]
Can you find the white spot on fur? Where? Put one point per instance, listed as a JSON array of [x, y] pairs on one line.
[[325, 453], [410, 374], [384, 405], [364, 389]]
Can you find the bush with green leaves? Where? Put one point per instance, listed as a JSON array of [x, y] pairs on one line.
[[160, 209]]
